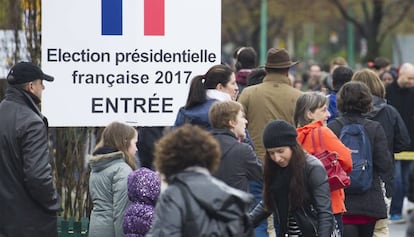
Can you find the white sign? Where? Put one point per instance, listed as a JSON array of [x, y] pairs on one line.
[[125, 60]]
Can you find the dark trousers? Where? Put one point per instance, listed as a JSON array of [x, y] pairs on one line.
[[365, 230]]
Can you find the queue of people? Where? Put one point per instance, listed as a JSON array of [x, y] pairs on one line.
[[237, 161]]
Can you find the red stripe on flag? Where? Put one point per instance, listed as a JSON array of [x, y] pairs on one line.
[[154, 15]]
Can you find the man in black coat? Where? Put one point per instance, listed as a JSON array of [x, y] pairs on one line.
[[28, 199], [400, 94]]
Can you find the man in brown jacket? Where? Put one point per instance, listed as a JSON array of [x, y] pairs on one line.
[[272, 99], [275, 98]]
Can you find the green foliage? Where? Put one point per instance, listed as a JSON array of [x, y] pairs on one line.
[[373, 20], [3, 14]]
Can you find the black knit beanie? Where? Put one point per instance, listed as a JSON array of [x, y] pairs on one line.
[[279, 133]]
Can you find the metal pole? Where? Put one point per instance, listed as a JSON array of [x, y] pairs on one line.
[[351, 40], [263, 32]]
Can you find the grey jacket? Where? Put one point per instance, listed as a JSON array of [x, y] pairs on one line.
[[28, 200], [394, 127], [239, 164], [109, 194], [206, 194]]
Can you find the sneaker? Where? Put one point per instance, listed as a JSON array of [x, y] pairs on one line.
[[396, 219]]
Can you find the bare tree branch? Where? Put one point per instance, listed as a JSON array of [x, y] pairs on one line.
[[404, 7], [365, 11], [348, 17]]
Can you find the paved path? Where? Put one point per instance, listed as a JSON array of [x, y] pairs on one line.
[[398, 230]]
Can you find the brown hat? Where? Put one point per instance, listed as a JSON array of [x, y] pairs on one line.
[[278, 58]]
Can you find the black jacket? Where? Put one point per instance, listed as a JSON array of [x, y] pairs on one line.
[[28, 199], [205, 194], [394, 127], [315, 218], [147, 137], [239, 163], [371, 203], [401, 99]]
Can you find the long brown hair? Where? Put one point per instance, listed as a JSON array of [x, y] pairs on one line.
[[297, 181], [118, 135]]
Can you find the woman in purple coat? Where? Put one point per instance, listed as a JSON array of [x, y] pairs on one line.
[[143, 190]]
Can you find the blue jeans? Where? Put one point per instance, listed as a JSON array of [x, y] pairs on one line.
[[402, 170], [256, 188]]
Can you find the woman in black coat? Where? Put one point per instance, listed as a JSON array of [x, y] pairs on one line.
[[364, 208], [295, 186], [238, 164]]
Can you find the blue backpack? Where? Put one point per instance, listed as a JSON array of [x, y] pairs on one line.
[[354, 137]]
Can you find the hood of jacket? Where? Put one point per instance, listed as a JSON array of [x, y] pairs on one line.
[[307, 129], [144, 186], [214, 197], [378, 105], [102, 161], [198, 114]]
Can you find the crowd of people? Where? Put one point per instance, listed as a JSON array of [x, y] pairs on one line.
[[241, 159]]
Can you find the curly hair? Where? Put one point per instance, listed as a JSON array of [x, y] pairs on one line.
[[354, 97], [184, 147]]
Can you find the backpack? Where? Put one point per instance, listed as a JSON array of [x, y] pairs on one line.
[[354, 136]]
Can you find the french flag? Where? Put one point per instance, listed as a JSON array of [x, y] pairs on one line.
[[154, 17]]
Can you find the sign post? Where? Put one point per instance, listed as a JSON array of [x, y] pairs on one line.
[[127, 61]]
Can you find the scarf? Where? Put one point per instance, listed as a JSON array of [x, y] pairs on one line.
[[104, 150], [218, 95]]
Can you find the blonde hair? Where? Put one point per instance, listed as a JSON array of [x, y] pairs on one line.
[[371, 79]]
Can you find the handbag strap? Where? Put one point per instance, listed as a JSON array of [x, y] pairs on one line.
[[320, 140]]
